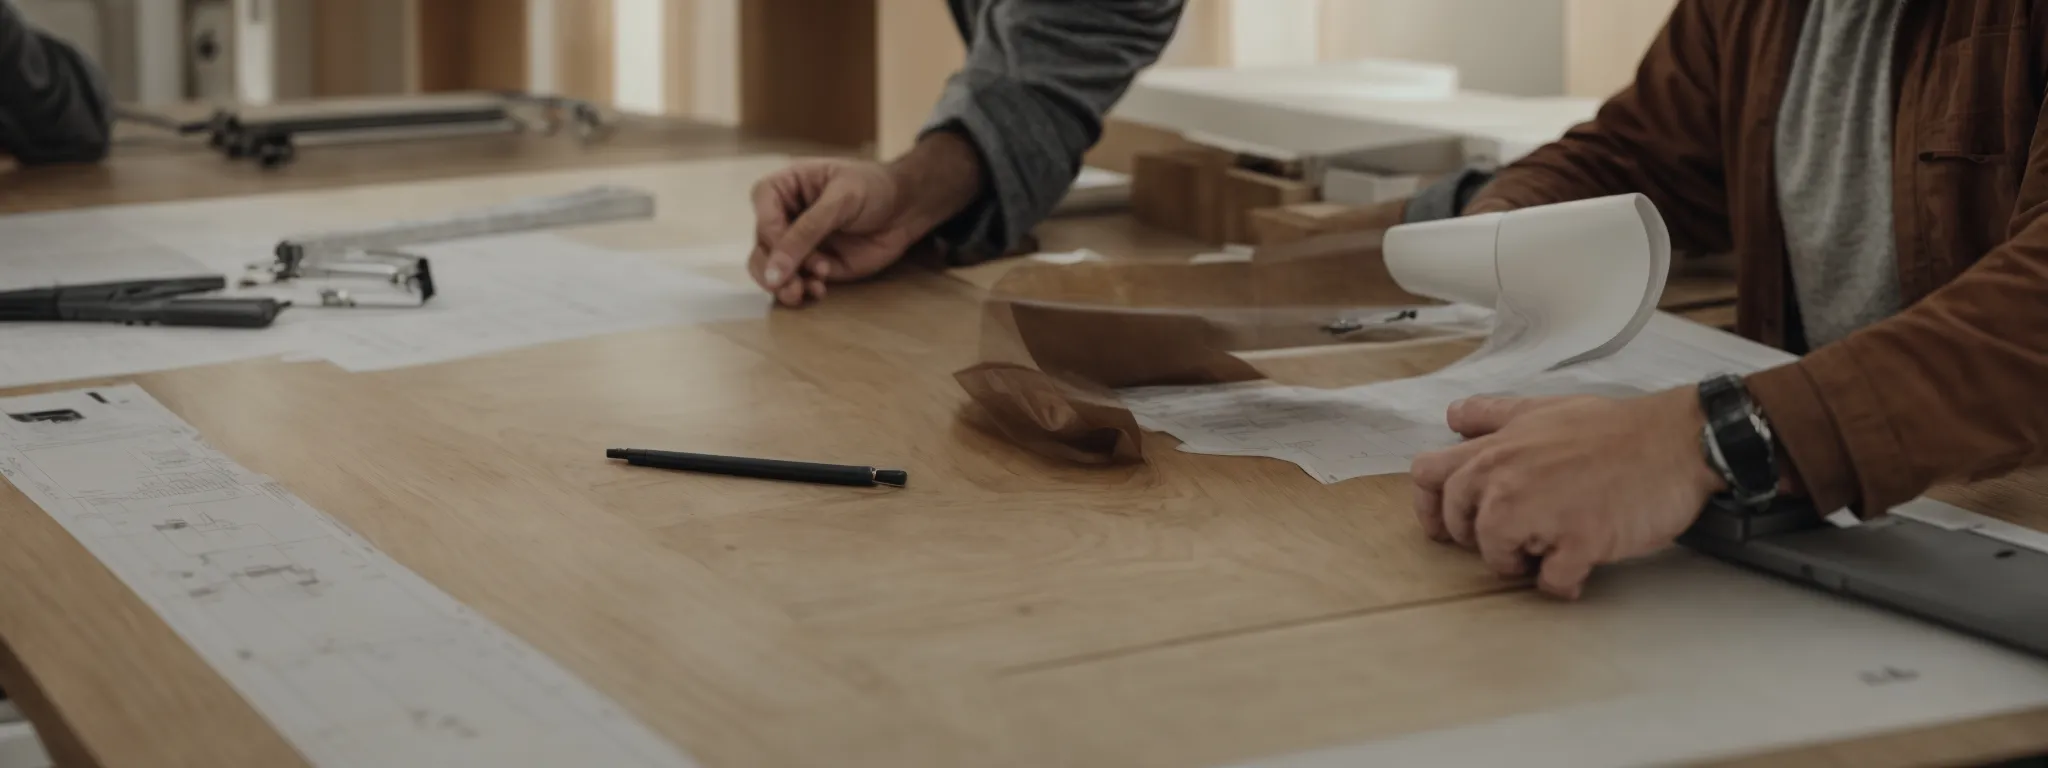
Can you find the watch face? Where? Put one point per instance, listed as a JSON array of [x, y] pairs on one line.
[[1739, 438], [1757, 422]]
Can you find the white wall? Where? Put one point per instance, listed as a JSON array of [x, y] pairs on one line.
[[1605, 41], [715, 90], [638, 66], [1274, 33], [1504, 46], [160, 51], [540, 47], [255, 42]]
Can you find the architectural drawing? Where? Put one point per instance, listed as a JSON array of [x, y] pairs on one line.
[[1376, 429], [353, 658]]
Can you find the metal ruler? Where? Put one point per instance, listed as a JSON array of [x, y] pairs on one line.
[[589, 206]]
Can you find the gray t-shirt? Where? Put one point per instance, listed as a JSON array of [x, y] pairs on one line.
[[1040, 75], [1834, 167]]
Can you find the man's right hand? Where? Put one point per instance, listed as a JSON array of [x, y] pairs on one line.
[[823, 221]]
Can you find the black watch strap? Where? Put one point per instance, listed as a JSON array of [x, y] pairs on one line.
[[1737, 441]]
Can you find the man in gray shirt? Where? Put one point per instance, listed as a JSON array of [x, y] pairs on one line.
[[53, 106], [999, 153]]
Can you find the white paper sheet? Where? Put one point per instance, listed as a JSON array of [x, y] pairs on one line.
[[1096, 178], [1067, 257], [517, 291], [114, 259], [1376, 429], [352, 657], [1572, 286], [495, 294]]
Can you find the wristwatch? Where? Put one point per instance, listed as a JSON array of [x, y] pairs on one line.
[[1737, 442]]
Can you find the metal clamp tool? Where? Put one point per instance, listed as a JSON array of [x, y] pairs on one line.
[[271, 136], [372, 256]]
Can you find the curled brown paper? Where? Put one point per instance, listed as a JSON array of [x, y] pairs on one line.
[[1058, 340]]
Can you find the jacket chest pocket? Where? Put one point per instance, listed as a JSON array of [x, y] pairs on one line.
[[1960, 196], [1968, 97]]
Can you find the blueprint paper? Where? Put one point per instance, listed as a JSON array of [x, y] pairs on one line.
[[1572, 285], [352, 657], [517, 291], [1376, 429], [105, 262], [495, 294]]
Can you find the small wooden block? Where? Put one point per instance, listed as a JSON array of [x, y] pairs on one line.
[[1123, 141], [1245, 191], [1162, 190], [1180, 191], [1286, 224]]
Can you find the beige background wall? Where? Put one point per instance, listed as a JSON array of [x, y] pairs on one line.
[[686, 57], [919, 48], [1605, 39], [1503, 46]]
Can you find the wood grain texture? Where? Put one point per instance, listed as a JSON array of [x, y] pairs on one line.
[[584, 49], [808, 70], [1002, 610], [468, 45], [680, 57], [157, 170], [363, 47], [1244, 191], [341, 62], [1181, 191]]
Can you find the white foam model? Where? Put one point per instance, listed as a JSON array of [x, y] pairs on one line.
[[1569, 282], [1341, 108]]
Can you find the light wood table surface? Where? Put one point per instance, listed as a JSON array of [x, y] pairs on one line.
[[1001, 610]]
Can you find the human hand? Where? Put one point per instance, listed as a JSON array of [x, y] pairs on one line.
[[821, 221], [1572, 482]]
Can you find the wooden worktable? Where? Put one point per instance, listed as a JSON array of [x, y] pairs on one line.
[[1194, 610]]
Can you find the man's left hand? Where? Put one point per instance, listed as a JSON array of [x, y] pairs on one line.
[[1570, 482]]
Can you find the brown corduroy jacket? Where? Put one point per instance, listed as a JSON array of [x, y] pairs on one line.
[[1956, 386]]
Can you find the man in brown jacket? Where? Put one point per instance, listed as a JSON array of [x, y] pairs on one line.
[[1880, 168]]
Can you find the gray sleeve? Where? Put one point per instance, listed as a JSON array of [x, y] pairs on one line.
[[1447, 197], [54, 107], [1040, 75]]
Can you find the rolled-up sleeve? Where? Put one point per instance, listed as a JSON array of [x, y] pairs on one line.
[[54, 106], [1040, 76]]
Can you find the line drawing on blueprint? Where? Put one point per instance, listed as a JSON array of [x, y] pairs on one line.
[[353, 658], [1377, 429]]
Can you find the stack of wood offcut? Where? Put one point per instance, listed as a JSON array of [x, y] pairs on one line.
[[1222, 197]]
